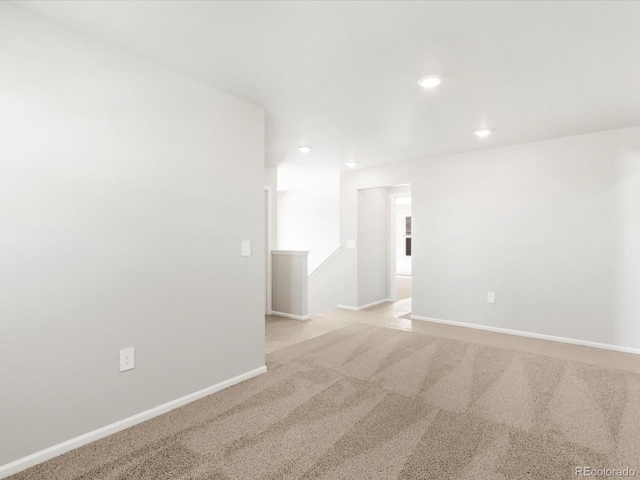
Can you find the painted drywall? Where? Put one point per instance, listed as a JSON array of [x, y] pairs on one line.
[[125, 191], [271, 230], [309, 217], [290, 280], [323, 288], [403, 262], [271, 181], [551, 227], [373, 245]]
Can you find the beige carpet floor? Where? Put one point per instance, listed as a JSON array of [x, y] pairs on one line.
[[368, 402]]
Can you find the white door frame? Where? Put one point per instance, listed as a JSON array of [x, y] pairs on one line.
[[268, 248]]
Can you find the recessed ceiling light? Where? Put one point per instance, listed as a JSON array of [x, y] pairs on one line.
[[430, 81], [304, 149], [352, 164], [483, 132]]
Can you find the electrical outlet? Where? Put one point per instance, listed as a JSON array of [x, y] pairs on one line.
[[491, 297], [127, 359], [246, 248]]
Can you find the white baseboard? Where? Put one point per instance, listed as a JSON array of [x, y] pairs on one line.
[[64, 447], [363, 307], [373, 304], [539, 336], [290, 315], [347, 307]]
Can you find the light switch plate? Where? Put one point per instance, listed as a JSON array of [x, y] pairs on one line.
[[246, 248], [351, 244], [491, 297]]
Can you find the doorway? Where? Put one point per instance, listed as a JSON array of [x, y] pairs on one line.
[[401, 226], [385, 248]]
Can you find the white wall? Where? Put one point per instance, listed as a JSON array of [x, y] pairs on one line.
[[271, 230], [271, 181], [403, 262], [373, 245], [125, 191], [290, 284], [309, 219], [552, 227], [324, 288]]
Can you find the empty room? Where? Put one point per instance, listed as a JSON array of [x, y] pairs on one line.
[[319, 240]]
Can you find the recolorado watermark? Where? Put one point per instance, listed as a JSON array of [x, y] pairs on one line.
[[603, 472]]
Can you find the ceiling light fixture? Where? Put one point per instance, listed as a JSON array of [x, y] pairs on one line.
[[430, 81], [352, 164], [482, 133], [304, 149]]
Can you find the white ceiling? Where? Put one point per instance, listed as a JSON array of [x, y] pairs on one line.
[[341, 76]]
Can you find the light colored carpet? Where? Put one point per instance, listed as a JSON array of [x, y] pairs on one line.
[[367, 402]]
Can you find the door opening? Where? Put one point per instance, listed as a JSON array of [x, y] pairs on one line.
[[402, 231], [385, 250]]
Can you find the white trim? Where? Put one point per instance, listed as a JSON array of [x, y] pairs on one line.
[[373, 304], [327, 260], [64, 447], [289, 252], [539, 336], [269, 292], [347, 307], [290, 315], [363, 307]]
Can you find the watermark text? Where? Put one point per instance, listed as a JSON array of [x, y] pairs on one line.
[[604, 472]]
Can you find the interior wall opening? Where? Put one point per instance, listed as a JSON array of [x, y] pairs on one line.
[[403, 247], [385, 248]]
